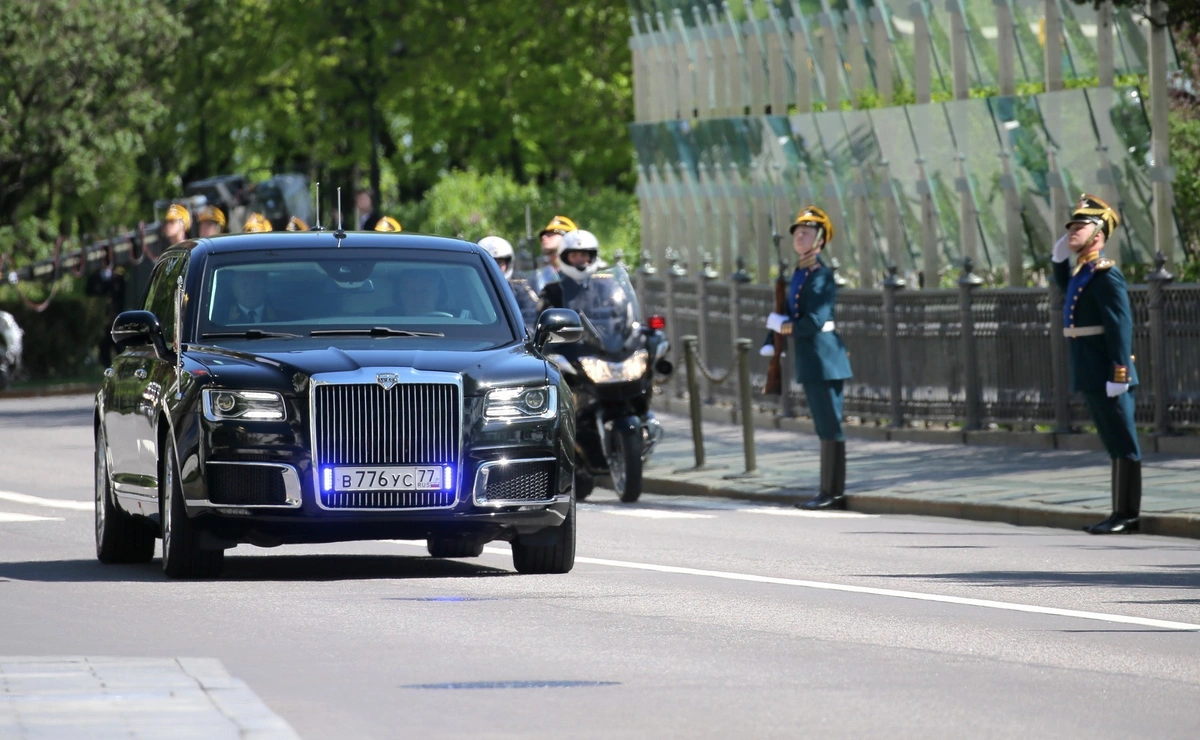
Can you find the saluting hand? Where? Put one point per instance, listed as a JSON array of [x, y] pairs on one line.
[[1062, 249]]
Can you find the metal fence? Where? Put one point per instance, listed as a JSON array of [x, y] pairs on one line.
[[969, 356]]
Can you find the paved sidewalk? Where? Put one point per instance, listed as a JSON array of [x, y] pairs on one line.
[[77, 697], [1049, 488]]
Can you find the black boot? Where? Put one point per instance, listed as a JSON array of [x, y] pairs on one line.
[[1127, 500], [833, 478]]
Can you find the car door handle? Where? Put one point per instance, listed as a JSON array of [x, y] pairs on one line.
[[140, 374]]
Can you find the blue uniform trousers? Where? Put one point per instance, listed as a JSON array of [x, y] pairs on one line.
[[1114, 422], [825, 404]]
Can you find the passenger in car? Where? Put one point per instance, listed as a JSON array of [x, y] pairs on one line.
[[418, 293]]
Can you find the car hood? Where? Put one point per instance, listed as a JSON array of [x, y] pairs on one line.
[[285, 366]]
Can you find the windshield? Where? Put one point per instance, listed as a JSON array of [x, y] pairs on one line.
[[608, 308], [415, 295]]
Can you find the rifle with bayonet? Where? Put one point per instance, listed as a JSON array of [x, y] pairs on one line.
[[779, 338]]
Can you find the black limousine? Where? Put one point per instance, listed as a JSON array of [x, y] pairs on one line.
[[300, 387]]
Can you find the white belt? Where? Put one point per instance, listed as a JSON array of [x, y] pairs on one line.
[[1083, 331], [827, 326]]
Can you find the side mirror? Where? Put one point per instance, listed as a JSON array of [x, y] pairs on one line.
[[557, 326], [137, 329]]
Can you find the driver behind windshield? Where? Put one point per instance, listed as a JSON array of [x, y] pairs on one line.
[[578, 260]]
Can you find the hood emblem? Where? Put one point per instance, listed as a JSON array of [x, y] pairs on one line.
[[387, 380]]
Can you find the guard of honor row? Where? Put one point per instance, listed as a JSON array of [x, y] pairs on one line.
[[1097, 321]]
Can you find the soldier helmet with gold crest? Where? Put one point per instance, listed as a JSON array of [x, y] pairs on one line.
[[179, 212], [256, 224], [814, 217], [387, 223], [295, 223], [1092, 210]]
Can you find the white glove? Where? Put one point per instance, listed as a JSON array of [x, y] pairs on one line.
[[1115, 389], [767, 350], [1062, 250], [775, 321]]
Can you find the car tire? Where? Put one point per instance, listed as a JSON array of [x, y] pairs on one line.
[[182, 555], [446, 547], [120, 538], [558, 557]]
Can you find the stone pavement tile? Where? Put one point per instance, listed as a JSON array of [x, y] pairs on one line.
[[81, 697], [1026, 486]]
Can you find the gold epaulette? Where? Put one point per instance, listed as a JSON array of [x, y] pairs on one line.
[[1104, 264]]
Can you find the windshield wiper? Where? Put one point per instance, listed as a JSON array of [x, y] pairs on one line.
[[374, 331], [249, 334]]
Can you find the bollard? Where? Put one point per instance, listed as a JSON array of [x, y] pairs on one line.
[[693, 387], [746, 411], [967, 283], [1159, 279]]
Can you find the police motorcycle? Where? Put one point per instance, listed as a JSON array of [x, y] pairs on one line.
[[611, 373]]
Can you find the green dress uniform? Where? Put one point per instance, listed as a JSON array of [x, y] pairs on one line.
[[822, 363], [1098, 324]]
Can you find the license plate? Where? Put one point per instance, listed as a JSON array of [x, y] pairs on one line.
[[414, 478]]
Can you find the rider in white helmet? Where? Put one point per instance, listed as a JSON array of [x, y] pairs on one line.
[[502, 251], [578, 260]]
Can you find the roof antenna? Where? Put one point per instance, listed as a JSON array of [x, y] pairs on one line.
[[340, 234], [318, 206]]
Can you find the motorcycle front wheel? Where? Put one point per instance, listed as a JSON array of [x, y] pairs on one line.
[[625, 463]]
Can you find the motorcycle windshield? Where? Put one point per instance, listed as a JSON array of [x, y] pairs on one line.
[[609, 310]]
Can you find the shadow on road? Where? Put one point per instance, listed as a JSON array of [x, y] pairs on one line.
[[257, 568], [1186, 577]]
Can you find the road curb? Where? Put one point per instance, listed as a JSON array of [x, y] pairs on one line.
[[1057, 517], [70, 389]]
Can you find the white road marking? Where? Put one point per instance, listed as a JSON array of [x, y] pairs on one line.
[[7, 517], [51, 503], [867, 590], [654, 513], [811, 514]]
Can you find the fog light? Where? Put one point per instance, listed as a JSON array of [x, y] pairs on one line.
[[328, 478], [447, 478]]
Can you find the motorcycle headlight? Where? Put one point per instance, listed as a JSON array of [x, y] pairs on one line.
[[521, 404], [602, 371], [222, 405]]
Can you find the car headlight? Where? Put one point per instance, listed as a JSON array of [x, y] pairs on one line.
[[521, 404], [220, 405], [602, 371]]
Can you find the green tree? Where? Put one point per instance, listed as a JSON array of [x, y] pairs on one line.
[[75, 99]]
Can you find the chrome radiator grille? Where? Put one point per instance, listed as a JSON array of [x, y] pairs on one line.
[[411, 424]]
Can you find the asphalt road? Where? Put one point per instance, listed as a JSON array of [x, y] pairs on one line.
[[682, 618]]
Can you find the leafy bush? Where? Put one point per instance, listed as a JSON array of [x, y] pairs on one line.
[[471, 205], [60, 342]]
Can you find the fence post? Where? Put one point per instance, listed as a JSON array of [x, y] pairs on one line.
[[959, 51], [891, 285], [1058, 362], [645, 270], [672, 316], [693, 386], [746, 410], [966, 286], [1159, 280], [703, 277]]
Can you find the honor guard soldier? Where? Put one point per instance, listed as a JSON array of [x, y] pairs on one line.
[[176, 224], [552, 237], [295, 223], [211, 221], [1098, 324], [387, 223], [502, 251], [256, 223], [822, 364]]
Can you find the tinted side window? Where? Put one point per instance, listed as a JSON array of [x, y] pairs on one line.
[[160, 295]]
